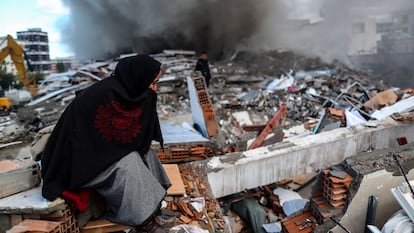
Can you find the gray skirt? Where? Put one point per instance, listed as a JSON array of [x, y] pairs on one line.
[[133, 188]]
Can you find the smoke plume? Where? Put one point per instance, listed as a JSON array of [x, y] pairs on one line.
[[105, 28], [102, 28]]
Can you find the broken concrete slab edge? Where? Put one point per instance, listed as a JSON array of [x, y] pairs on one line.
[[316, 153]]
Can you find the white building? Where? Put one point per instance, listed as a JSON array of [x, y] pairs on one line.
[[364, 34], [37, 48]]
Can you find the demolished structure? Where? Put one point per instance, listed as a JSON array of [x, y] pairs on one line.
[[332, 125]]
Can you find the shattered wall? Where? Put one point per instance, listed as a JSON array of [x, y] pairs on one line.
[[377, 173]]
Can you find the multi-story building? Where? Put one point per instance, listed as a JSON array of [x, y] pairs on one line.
[[362, 36], [404, 21], [36, 48], [400, 35], [395, 49], [69, 63], [383, 34]]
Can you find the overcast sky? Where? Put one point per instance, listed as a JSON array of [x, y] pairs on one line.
[[48, 15]]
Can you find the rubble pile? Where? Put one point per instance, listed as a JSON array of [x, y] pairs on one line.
[[246, 93], [244, 97], [11, 130], [253, 85], [248, 90], [196, 207], [289, 206]]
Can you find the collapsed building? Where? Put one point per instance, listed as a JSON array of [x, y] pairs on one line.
[[330, 124]]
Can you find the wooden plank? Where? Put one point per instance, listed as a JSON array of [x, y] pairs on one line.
[[173, 173], [278, 120], [102, 226]]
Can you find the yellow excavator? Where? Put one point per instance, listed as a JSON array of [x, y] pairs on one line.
[[17, 55]]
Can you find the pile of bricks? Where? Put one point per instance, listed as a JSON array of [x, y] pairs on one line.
[[60, 221], [181, 206], [332, 198], [186, 152], [322, 210], [176, 153], [65, 217], [335, 189], [39, 226]]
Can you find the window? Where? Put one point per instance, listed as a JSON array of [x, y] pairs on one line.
[[404, 18], [358, 28], [383, 27]]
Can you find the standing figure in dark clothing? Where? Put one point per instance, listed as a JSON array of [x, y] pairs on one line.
[[102, 142], [203, 67]]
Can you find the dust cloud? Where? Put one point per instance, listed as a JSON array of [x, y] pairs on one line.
[[103, 28], [322, 28]]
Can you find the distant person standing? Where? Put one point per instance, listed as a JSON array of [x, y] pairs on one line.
[[203, 67]]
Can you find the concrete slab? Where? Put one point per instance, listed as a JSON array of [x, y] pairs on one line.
[[236, 172], [30, 202]]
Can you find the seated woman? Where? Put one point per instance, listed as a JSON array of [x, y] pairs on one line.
[[102, 141]]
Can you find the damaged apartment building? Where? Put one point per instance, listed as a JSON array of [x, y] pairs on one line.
[[278, 143]]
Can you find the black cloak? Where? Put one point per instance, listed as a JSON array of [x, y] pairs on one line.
[[105, 122]]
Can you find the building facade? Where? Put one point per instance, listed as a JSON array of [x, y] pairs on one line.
[[69, 63], [385, 34], [400, 36], [362, 36], [36, 48]]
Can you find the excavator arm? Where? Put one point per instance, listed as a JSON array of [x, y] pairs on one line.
[[16, 53]]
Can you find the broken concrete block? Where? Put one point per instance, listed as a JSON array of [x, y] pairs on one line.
[[18, 175]]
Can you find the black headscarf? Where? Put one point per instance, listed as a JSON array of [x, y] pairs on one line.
[[105, 122]]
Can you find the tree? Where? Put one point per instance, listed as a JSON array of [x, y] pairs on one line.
[[60, 67], [6, 79], [36, 76], [39, 76], [10, 80]]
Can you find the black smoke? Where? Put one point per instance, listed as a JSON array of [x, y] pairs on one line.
[[106, 28], [103, 28]]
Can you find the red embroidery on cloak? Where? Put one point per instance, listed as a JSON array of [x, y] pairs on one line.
[[116, 123]]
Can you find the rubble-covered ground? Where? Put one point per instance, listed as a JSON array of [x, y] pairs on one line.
[[246, 92], [254, 83]]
